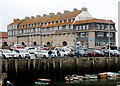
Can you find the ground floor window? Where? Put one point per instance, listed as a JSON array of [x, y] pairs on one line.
[[64, 43]]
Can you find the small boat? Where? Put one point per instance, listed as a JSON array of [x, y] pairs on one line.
[[113, 74], [91, 76], [75, 77], [110, 75], [102, 75], [85, 78], [68, 78], [41, 81]]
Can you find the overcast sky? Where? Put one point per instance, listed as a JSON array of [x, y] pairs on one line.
[[10, 9]]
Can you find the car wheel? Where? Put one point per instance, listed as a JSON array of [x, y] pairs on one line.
[[4, 57], [19, 57], [44, 56], [36, 56]]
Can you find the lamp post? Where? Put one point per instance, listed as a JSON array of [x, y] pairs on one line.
[[40, 38], [108, 22], [109, 36]]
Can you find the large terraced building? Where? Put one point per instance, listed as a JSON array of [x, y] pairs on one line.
[[63, 29]]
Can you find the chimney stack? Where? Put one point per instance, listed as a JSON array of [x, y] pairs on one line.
[[66, 11], [84, 9], [59, 13], [32, 17], [27, 18], [75, 9], [15, 20], [38, 16], [44, 14], [51, 14]]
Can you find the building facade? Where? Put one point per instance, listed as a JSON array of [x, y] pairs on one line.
[[3, 39], [62, 29]]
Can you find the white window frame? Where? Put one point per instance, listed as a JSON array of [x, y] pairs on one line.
[[82, 34]]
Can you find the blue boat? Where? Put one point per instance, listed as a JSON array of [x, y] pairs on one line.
[[41, 81]]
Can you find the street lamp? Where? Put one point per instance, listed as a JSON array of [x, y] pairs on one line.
[[109, 36], [108, 22], [40, 37]]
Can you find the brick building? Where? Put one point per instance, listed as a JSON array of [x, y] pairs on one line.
[[3, 39], [62, 29]]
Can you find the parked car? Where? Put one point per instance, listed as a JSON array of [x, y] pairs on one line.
[[17, 46], [31, 50], [5, 54], [101, 53], [38, 47], [21, 53], [43, 54], [92, 53]]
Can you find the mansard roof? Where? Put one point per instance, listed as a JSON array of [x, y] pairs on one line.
[[95, 21], [48, 18], [16, 22]]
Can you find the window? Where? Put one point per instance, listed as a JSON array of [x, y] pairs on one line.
[[77, 28], [78, 34], [83, 27], [64, 26], [100, 34], [67, 26], [87, 27], [97, 26], [82, 34], [109, 34], [111, 27], [102, 26], [97, 43], [87, 34], [80, 27]]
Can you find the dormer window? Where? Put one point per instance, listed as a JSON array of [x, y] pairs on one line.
[[58, 21], [50, 22], [76, 27], [80, 27], [67, 20], [62, 21], [54, 22], [83, 27], [102, 27], [71, 20], [87, 27], [111, 27], [97, 26]]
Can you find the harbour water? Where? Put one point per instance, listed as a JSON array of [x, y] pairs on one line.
[[92, 82]]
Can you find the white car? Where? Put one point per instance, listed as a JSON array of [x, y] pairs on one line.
[[31, 50], [5, 53], [21, 53], [43, 53]]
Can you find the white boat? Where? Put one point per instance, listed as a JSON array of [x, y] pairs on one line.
[[68, 78]]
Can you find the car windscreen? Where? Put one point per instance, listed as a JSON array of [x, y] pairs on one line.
[[22, 51], [6, 51]]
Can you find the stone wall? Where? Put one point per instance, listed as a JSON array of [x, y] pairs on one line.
[[57, 68]]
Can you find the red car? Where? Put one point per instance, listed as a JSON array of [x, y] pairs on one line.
[[92, 53]]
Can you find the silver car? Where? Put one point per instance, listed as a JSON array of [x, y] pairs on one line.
[[5, 54]]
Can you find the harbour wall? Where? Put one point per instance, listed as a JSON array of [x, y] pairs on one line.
[[28, 70]]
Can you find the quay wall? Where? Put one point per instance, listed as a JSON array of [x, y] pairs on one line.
[[27, 70]]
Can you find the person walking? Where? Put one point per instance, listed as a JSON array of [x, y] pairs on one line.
[[49, 53], [58, 53]]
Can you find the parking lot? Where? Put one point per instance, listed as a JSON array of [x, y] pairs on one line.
[[38, 52]]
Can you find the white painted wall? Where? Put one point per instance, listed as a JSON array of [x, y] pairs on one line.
[[83, 16]]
